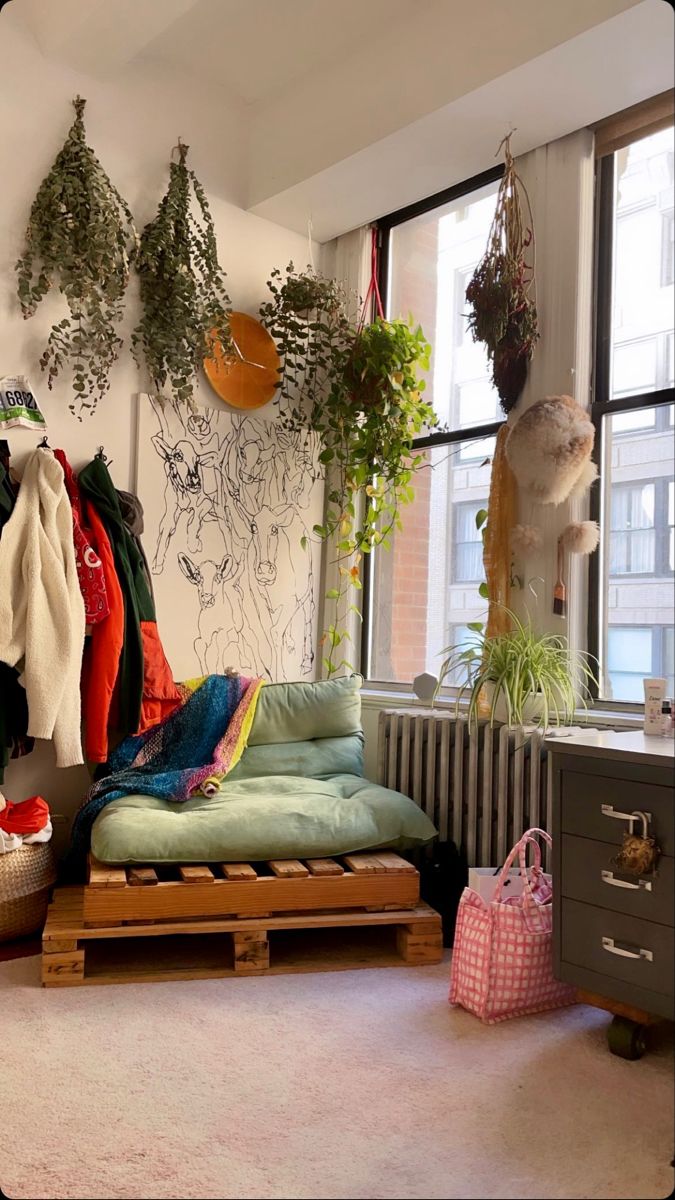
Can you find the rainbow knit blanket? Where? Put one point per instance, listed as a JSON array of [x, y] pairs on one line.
[[187, 754]]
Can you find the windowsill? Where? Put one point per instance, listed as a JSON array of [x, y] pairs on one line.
[[372, 697]]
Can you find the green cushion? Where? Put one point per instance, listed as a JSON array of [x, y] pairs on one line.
[[258, 819], [298, 712], [317, 759]]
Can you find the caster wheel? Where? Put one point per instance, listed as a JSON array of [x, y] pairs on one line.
[[626, 1038]]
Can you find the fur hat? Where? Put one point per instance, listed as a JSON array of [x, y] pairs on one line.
[[549, 449], [580, 537]]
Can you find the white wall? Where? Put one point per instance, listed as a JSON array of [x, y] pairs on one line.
[[132, 123]]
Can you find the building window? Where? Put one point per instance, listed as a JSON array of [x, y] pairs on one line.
[[668, 249], [631, 610], [631, 544], [425, 587], [468, 543]]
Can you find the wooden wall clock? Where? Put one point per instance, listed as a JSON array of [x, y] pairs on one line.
[[249, 377]]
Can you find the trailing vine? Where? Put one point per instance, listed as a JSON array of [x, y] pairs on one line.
[[81, 239], [359, 388], [185, 304], [500, 291]]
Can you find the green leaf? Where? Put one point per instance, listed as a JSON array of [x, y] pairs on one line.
[[483, 591], [481, 517]]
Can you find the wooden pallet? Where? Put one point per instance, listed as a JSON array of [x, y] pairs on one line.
[[74, 954], [118, 895]]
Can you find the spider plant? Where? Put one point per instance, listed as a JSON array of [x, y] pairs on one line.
[[536, 678]]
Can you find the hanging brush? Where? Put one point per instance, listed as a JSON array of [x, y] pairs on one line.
[[580, 537], [559, 591]]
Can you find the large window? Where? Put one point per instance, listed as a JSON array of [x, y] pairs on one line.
[[631, 610], [424, 590]]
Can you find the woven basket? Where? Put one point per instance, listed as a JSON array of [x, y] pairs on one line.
[[26, 876]]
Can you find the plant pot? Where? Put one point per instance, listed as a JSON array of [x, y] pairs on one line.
[[533, 708]]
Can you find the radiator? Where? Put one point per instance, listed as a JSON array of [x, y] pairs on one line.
[[481, 786]]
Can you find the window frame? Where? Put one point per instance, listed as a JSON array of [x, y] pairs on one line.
[[384, 226], [602, 405]]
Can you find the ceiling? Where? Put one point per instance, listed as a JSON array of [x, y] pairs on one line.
[[256, 49], [355, 108]]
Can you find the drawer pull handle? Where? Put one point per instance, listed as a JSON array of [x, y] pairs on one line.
[[608, 877], [608, 945], [608, 810]]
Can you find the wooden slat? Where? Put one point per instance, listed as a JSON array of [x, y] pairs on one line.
[[394, 863], [238, 871], [65, 918], [288, 868], [364, 864], [102, 876], [324, 866], [196, 875], [141, 876], [249, 897], [251, 952]]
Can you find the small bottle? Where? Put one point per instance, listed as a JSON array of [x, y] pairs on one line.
[[667, 718]]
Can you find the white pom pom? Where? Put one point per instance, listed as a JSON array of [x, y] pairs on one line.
[[526, 539], [581, 537]]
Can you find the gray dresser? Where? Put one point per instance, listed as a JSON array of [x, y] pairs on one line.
[[613, 932]]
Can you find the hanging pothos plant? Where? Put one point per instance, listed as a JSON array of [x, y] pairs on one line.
[[80, 239], [359, 388], [185, 304], [501, 289]]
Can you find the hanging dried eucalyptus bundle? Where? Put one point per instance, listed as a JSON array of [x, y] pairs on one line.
[[80, 238], [185, 304], [504, 315]]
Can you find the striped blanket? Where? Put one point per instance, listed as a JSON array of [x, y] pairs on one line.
[[188, 753]]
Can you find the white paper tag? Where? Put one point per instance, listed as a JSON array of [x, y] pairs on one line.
[[18, 404]]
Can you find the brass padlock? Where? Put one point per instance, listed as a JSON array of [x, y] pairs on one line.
[[639, 853]]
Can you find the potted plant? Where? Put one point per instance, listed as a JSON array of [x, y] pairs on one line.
[[501, 290], [524, 677]]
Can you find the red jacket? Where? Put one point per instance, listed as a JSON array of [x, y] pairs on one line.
[[102, 655]]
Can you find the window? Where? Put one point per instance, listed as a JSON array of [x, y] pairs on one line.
[[631, 609], [425, 588], [468, 543], [631, 546], [668, 249]]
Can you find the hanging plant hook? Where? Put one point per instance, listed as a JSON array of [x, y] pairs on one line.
[[182, 149]]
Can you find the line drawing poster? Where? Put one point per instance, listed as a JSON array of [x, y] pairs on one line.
[[227, 499]]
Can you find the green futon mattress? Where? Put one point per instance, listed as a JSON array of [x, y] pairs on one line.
[[254, 819]]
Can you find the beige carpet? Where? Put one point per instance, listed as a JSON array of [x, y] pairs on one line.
[[356, 1084]]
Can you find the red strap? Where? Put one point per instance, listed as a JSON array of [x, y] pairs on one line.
[[373, 286]]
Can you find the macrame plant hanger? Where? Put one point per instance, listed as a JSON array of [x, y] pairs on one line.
[[372, 299]]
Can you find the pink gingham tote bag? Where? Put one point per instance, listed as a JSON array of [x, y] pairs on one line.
[[502, 961]]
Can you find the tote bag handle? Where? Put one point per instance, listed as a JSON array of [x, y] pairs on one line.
[[520, 850]]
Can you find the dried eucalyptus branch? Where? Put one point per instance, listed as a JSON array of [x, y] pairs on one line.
[[81, 239], [185, 304]]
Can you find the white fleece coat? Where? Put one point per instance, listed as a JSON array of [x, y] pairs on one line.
[[41, 607]]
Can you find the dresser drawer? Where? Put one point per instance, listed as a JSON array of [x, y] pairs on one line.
[[583, 864], [583, 927], [582, 798]]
